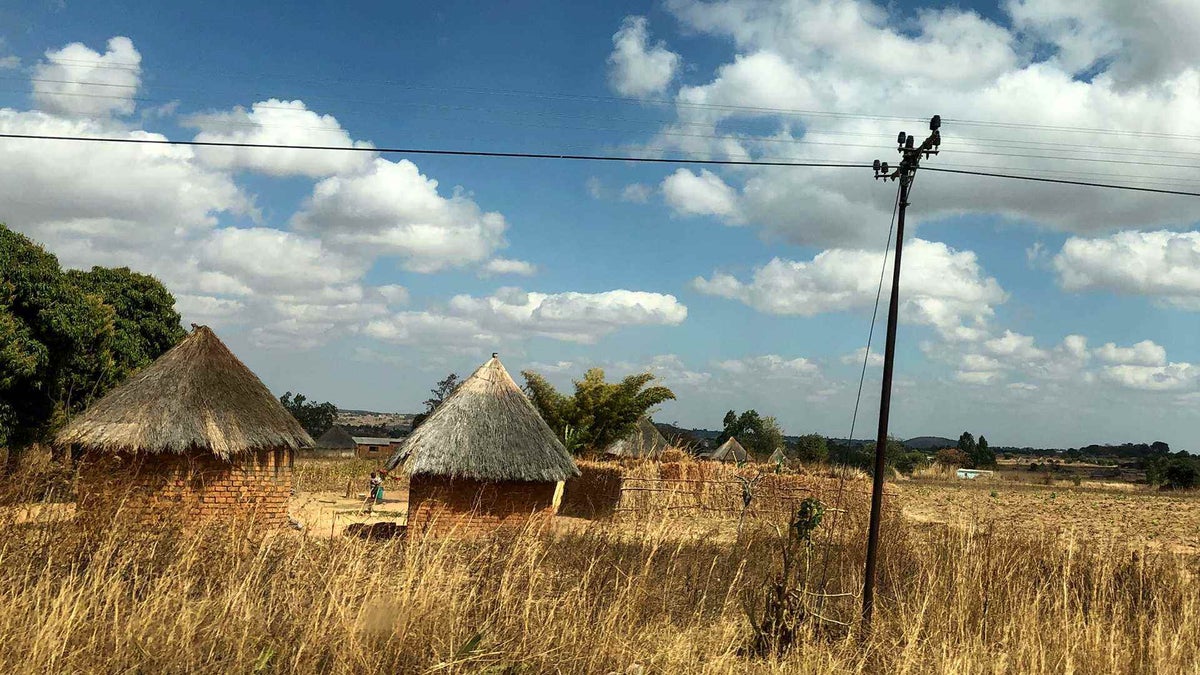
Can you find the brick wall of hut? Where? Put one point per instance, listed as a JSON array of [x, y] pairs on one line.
[[439, 505], [170, 487], [380, 452]]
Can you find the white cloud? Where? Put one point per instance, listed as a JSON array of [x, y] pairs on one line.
[[942, 287], [770, 366], [429, 328], [703, 194], [1136, 42], [10, 62], [637, 193], [855, 56], [276, 122], [637, 68], [1168, 377], [77, 80], [111, 198], [508, 266], [394, 294], [1162, 265], [855, 358], [570, 316], [1145, 353], [273, 260], [394, 210]]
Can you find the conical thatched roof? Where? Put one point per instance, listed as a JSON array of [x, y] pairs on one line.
[[486, 430], [730, 451], [197, 396], [777, 456], [643, 442], [336, 438]]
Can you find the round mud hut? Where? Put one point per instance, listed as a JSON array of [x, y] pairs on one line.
[[334, 443], [193, 435], [484, 459], [644, 442], [730, 451]]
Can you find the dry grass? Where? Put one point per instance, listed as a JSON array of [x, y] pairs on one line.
[[1130, 516], [665, 593]]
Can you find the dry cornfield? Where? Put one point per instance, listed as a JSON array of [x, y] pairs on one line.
[[666, 594]]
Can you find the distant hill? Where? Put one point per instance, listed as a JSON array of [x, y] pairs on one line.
[[930, 443]]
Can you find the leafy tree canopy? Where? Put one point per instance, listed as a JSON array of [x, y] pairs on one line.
[[66, 338], [759, 435], [316, 418], [599, 412], [812, 448]]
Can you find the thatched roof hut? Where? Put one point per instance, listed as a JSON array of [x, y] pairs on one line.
[[486, 430], [336, 438], [484, 459], [777, 457], [729, 451], [644, 441], [196, 412], [197, 396]]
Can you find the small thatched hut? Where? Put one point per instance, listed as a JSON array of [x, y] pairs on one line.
[[729, 451], [777, 457], [483, 459], [644, 442], [194, 434], [335, 442]]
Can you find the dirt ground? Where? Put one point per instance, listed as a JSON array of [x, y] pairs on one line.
[[1136, 515]]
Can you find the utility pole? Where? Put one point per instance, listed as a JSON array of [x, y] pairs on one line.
[[909, 162]]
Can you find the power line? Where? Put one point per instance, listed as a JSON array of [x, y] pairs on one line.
[[821, 163]]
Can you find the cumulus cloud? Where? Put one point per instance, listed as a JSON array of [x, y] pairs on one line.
[[943, 288], [636, 67], [276, 122], [1162, 265], [508, 266], [770, 366], [855, 358], [77, 80], [1168, 377], [570, 316], [392, 209], [806, 55], [638, 193], [702, 194], [1145, 353], [1135, 42]]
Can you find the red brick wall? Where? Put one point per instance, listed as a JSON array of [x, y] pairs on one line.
[[440, 506], [184, 487]]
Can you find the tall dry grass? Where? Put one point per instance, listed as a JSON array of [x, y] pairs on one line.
[[665, 593]]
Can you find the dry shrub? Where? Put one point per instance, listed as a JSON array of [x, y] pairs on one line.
[[674, 455], [594, 493]]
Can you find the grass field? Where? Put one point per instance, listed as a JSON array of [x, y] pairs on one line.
[[1128, 515], [626, 595]]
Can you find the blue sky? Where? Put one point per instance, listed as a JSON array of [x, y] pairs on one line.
[[1036, 315]]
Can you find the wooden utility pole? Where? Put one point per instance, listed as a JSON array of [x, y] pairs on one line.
[[910, 161]]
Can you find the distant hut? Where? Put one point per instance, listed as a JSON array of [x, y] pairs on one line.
[[335, 442], [194, 434], [375, 447], [644, 442], [729, 451], [483, 459], [777, 457]]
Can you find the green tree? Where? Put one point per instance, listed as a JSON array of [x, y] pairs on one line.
[[599, 412], [316, 418], [966, 443], [441, 392], [68, 337], [759, 435], [812, 448], [983, 456]]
